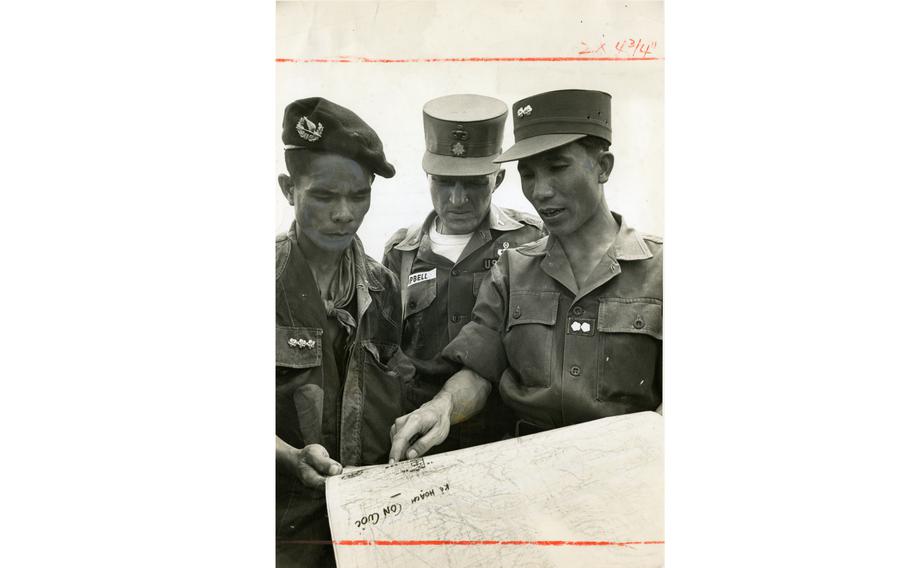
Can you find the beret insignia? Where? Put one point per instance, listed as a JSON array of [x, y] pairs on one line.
[[309, 131]]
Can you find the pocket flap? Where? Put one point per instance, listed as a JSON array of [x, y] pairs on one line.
[[420, 296], [631, 315], [382, 353], [533, 307], [298, 347]]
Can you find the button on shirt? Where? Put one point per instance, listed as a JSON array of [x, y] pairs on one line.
[[439, 294], [563, 355]]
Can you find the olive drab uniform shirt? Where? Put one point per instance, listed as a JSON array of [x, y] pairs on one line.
[[438, 298], [339, 390], [562, 355]]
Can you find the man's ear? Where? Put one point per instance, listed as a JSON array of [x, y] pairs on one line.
[[287, 187], [500, 175], [605, 161]]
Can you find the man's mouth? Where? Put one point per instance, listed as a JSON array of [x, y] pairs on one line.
[[550, 212]]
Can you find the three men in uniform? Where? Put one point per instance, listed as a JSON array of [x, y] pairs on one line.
[[486, 309]]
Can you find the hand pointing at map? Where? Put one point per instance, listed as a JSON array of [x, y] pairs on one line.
[[463, 396]]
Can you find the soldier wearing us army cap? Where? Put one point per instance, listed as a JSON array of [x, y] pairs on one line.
[[337, 384], [442, 259], [569, 328]]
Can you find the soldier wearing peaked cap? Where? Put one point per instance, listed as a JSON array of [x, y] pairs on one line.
[[442, 260], [568, 328], [338, 364]]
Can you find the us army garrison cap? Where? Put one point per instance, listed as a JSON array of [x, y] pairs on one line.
[[319, 125], [549, 120], [463, 134]]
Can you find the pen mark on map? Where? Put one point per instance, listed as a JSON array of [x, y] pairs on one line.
[[427, 493], [392, 510], [353, 474]]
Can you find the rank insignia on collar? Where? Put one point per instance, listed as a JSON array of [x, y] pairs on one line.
[[505, 247], [524, 111], [309, 131], [457, 149]]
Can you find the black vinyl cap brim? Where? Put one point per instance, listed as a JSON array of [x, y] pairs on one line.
[[435, 164], [536, 145]]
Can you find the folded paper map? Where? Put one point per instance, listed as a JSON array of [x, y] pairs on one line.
[[584, 495]]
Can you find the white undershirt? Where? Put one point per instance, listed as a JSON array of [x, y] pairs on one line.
[[448, 246]]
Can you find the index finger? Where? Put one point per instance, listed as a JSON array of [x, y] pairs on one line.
[[403, 436]]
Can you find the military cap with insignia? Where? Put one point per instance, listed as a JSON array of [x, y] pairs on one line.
[[319, 125], [555, 118], [463, 134]]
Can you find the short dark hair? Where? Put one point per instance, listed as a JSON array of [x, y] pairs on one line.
[[595, 144], [296, 161]]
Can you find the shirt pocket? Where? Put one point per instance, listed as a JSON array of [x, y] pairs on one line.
[[418, 297], [298, 347], [529, 335], [630, 331]]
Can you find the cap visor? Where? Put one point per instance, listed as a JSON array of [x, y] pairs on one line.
[[451, 166], [535, 145]]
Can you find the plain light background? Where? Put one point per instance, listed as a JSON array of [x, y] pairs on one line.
[[137, 307], [390, 96]]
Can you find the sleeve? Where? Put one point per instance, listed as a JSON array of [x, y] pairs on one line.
[[391, 258], [478, 346]]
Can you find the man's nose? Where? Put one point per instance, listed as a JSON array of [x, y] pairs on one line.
[[458, 196], [342, 214], [541, 190]]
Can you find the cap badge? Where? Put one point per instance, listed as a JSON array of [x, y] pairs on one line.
[[457, 149], [309, 131], [460, 135], [524, 111]]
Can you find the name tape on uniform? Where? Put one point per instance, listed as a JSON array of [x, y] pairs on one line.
[[421, 277]]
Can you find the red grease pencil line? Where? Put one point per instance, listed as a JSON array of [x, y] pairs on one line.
[[459, 59], [475, 542]]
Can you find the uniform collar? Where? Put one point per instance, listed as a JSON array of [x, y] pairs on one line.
[[628, 244], [497, 220]]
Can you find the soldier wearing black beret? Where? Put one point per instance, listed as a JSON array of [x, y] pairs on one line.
[[337, 388], [569, 328]]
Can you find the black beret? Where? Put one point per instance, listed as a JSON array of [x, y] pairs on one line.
[[320, 125]]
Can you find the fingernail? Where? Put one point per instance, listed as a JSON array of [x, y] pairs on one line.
[[392, 461], [412, 454], [335, 469]]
